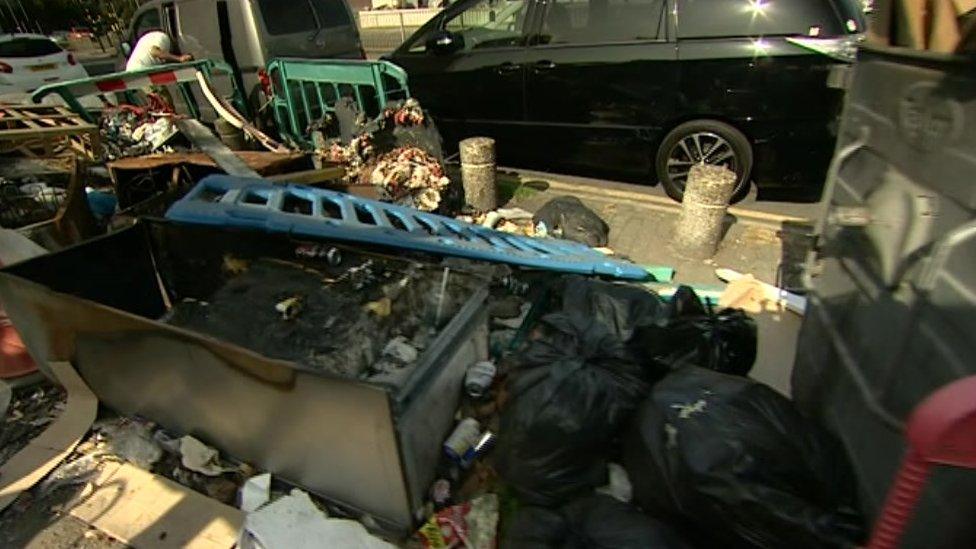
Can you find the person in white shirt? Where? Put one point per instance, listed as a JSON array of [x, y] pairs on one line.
[[153, 48]]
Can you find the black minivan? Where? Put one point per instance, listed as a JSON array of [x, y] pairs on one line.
[[642, 89]]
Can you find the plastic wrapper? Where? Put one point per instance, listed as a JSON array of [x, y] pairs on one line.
[[472, 525], [733, 461]]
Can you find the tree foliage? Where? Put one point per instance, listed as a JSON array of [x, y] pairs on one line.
[[101, 16]]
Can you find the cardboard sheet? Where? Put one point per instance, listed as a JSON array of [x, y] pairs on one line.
[[145, 510], [45, 452]]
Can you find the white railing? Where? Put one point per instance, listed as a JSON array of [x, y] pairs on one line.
[[396, 18]]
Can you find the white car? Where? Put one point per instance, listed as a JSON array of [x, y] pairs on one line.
[[29, 61]]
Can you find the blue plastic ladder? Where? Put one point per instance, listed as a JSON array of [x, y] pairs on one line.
[[227, 201]]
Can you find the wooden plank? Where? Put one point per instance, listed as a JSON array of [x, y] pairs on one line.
[[38, 131], [311, 177], [145, 510]]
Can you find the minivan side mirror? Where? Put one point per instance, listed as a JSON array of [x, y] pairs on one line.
[[125, 49], [444, 42]]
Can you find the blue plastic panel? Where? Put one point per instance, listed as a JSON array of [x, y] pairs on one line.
[[228, 201]]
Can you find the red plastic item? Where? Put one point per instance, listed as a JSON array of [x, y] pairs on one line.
[[15, 361], [941, 431]]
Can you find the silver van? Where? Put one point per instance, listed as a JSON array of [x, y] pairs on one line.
[[246, 34]]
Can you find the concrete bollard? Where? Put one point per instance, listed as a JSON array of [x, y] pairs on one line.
[[706, 200], [478, 173]]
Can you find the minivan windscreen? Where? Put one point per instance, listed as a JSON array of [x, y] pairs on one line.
[[28, 47]]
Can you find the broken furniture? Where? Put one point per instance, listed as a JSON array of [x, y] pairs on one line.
[[225, 201], [139, 178], [42, 131], [306, 91], [369, 443]]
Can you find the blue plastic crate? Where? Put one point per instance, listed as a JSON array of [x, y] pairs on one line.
[[228, 201]]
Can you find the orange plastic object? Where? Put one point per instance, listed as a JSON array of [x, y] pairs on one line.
[[15, 361]]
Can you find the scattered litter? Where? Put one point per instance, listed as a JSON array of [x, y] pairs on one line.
[[619, 487], [381, 307], [755, 296], [479, 377], [685, 411], [197, 456], [289, 308], [567, 217], [472, 525], [752, 469], [465, 436], [440, 493], [401, 350], [77, 471], [293, 521], [128, 130], [132, 440]]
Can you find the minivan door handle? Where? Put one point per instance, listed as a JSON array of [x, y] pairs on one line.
[[544, 65], [507, 68]]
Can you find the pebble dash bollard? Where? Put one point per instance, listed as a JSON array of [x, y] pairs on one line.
[[478, 173], [707, 196]]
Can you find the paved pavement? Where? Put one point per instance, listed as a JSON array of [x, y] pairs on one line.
[[809, 211], [641, 231]]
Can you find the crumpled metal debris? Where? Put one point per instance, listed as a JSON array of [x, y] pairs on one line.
[[127, 130], [410, 176]]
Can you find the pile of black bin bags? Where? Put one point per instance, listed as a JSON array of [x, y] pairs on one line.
[[715, 459]]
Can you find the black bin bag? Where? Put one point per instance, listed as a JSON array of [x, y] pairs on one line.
[[689, 333], [591, 522], [731, 460], [572, 391]]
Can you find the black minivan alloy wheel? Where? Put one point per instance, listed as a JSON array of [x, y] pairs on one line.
[[702, 141]]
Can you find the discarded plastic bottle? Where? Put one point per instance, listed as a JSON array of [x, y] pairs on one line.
[[465, 436], [479, 377]]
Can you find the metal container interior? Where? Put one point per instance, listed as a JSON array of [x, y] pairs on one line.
[[368, 447]]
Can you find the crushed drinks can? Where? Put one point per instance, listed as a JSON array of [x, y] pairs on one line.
[[478, 379], [465, 436], [485, 442]]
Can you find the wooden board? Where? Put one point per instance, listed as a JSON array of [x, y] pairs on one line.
[[28, 129], [144, 510]]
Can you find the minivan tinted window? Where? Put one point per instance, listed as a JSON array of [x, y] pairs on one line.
[[752, 18], [28, 47], [287, 16], [601, 21]]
